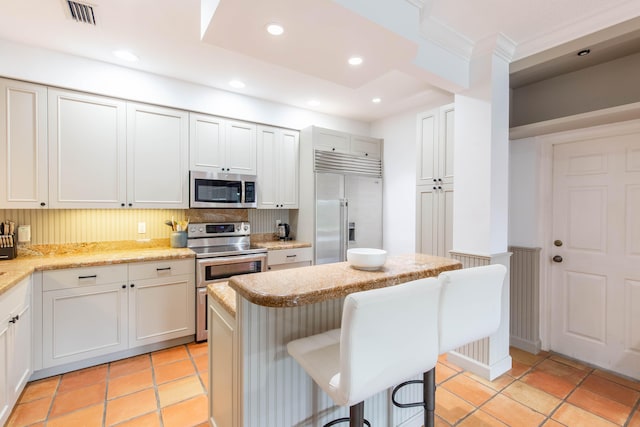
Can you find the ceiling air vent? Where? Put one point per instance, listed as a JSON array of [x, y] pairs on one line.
[[82, 12]]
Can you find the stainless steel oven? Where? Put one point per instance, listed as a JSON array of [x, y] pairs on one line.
[[222, 250]]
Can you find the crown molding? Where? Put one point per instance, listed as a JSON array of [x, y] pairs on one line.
[[581, 27], [446, 37]]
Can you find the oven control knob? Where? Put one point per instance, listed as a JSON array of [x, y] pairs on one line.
[[237, 228], [246, 227], [201, 229]]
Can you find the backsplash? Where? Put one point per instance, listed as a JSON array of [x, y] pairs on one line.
[[59, 226]]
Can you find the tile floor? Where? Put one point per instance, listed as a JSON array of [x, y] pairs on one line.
[[168, 388]]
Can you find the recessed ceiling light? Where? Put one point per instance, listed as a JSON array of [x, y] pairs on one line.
[[275, 29], [376, 100], [125, 55], [237, 84], [355, 60], [313, 102], [584, 52]]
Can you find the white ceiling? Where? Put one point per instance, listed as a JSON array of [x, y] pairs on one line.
[[309, 60]]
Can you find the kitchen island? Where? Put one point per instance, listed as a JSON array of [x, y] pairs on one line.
[[252, 379]]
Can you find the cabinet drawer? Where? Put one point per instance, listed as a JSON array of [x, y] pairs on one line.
[[288, 256], [15, 298], [155, 269], [84, 276]]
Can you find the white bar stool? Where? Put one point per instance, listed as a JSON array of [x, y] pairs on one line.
[[376, 347], [470, 302]]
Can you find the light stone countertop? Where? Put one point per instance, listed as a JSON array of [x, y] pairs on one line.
[[280, 244], [85, 255], [308, 285], [224, 295]]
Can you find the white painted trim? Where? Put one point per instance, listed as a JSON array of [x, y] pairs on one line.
[[485, 371], [605, 116], [99, 360], [532, 347]]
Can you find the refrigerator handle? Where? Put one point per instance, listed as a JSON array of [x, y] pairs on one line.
[[344, 228]]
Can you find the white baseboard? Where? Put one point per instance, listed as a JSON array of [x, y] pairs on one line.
[[485, 371], [99, 360], [529, 346]]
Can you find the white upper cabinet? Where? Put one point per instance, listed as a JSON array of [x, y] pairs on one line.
[[278, 163], [23, 145], [365, 146], [87, 151], [331, 140], [222, 145], [342, 142], [157, 165], [435, 148]]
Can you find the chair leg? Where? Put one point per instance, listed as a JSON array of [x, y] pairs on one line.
[[356, 415], [429, 394]]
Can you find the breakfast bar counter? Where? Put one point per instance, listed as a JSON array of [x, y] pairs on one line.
[[252, 379], [308, 285]]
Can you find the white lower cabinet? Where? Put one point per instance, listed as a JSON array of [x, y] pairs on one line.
[[95, 311], [289, 258], [161, 301], [222, 366], [15, 345], [84, 313]]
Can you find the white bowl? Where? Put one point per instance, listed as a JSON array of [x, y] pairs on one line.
[[366, 258]]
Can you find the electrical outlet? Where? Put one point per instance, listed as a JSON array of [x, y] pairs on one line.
[[142, 227]]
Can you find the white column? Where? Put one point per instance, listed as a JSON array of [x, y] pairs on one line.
[[481, 164]]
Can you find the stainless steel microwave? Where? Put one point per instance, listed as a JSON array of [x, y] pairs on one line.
[[222, 190]]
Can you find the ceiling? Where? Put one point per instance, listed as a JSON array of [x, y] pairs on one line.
[[308, 62]]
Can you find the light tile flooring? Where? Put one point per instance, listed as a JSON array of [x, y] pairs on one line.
[[168, 388]]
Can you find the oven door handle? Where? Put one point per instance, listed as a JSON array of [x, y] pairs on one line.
[[231, 259]]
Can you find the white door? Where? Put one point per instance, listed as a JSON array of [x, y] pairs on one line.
[[241, 148], [288, 163], [596, 227]]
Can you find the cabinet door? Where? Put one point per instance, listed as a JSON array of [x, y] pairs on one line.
[[21, 349], [23, 145], [5, 399], [241, 148], [157, 148], [87, 158], [435, 220], [206, 143], [84, 322], [267, 168], [222, 375], [365, 147], [331, 140], [161, 309], [428, 144], [445, 150], [288, 168]]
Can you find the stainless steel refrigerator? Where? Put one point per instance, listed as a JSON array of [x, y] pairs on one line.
[[348, 214]]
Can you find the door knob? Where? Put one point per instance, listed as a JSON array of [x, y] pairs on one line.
[[557, 242], [557, 258]]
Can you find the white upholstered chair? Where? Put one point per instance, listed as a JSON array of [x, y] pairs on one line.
[[377, 345], [470, 309]]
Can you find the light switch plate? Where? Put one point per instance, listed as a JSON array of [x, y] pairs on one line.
[[142, 227]]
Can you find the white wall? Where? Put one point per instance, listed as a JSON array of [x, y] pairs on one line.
[[51, 68], [524, 193], [399, 190]]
